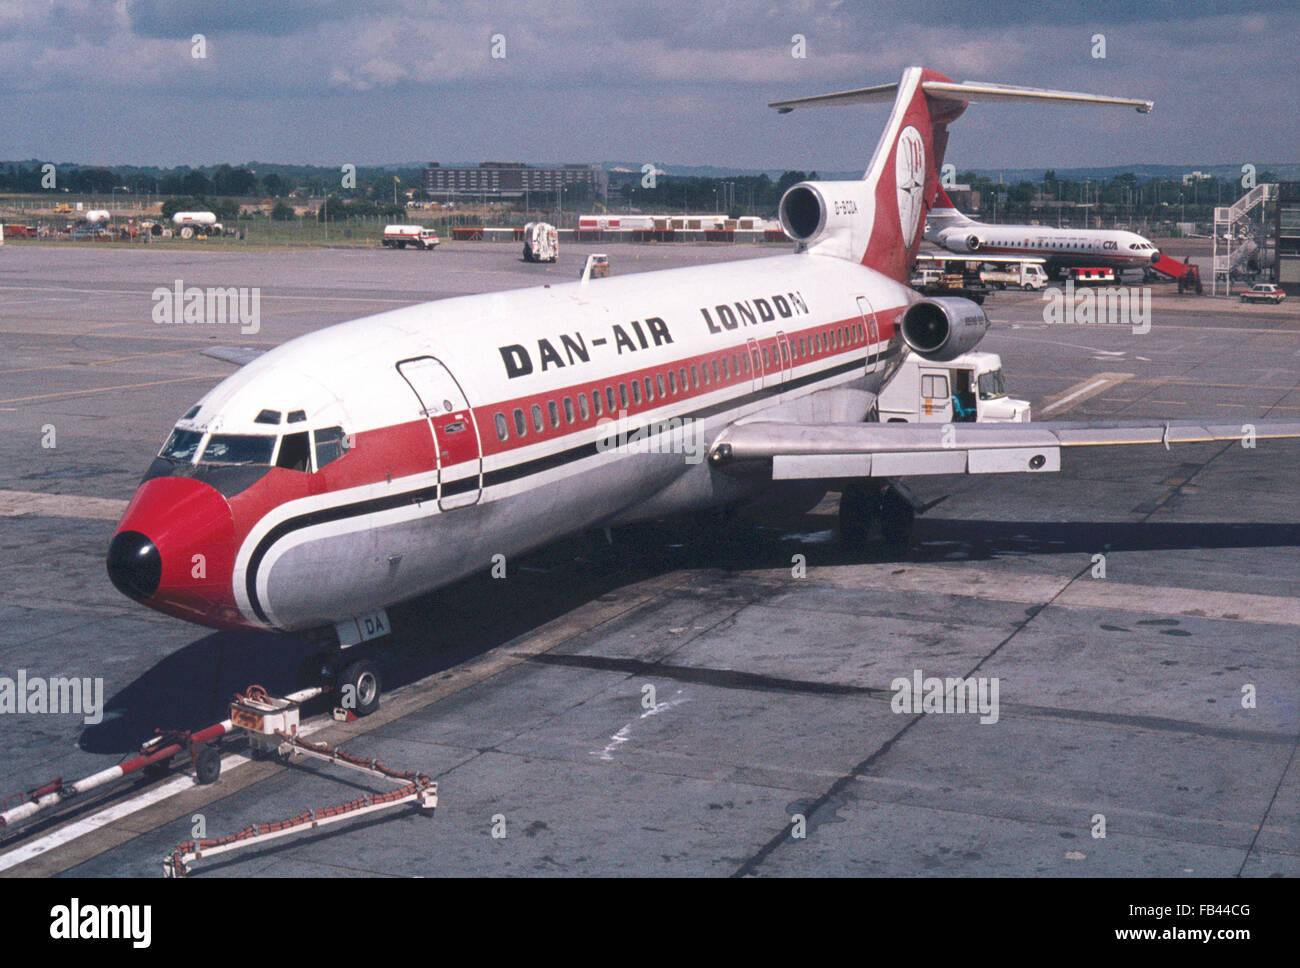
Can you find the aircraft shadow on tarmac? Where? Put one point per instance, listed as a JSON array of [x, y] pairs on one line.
[[191, 688]]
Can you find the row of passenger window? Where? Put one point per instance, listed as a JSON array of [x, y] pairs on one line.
[[673, 381]]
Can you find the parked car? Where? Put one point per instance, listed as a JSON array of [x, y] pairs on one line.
[[1263, 292]]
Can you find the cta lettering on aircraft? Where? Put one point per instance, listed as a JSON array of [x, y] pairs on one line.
[[574, 348], [1110, 244], [754, 312]]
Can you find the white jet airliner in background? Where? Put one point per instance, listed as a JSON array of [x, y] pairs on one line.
[[1059, 248], [373, 461]]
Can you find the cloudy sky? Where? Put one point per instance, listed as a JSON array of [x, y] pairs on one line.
[[381, 81]]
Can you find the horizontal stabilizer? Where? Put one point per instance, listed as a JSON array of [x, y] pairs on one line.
[[965, 91]]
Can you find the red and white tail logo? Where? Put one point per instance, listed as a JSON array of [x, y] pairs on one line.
[[904, 173]]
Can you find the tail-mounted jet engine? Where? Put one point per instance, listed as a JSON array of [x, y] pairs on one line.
[[943, 328]]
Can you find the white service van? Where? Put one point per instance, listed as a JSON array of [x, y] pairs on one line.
[[968, 389], [1015, 275]]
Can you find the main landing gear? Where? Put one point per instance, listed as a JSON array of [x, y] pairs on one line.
[[868, 505]]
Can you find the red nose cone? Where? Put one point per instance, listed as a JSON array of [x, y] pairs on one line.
[[175, 550]]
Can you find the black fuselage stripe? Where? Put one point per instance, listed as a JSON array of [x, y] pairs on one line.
[[503, 475]]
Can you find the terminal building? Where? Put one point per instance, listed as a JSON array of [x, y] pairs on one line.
[[506, 179]]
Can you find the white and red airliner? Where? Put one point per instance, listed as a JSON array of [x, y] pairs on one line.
[[373, 461], [1059, 248]]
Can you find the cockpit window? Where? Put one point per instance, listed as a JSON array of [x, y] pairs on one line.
[[191, 413], [238, 449], [181, 445], [297, 416], [330, 445], [268, 417], [295, 452]]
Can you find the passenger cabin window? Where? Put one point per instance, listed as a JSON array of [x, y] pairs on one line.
[[584, 411], [503, 428], [636, 392], [596, 401], [622, 395], [609, 398], [537, 418], [295, 453], [659, 382], [568, 409], [332, 443], [521, 427], [554, 412], [672, 382], [238, 449]]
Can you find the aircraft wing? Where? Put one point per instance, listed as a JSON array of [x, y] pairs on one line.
[[827, 451], [238, 355]]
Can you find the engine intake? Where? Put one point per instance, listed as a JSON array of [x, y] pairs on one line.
[[944, 328], [815, 212]]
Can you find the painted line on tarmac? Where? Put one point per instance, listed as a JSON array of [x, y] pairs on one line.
[[16, 504], [1034, 589], [1077, 394], [127, 386]]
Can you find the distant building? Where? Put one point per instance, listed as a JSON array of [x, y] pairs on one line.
[[1195, 176], [511, 179]]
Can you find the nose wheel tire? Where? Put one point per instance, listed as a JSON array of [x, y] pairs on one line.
[[358, 686]]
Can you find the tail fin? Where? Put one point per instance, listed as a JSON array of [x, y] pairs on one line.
[[902, 181]]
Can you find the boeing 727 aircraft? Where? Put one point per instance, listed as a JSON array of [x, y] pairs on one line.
[[376, 460]]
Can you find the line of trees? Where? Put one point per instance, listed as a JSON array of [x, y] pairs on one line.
[[271, 181]]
